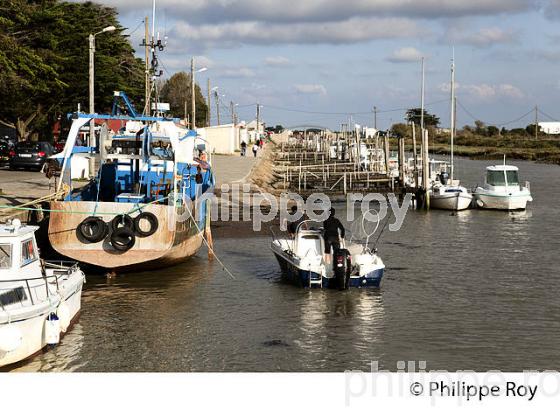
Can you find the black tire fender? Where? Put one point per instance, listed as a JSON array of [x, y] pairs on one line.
[[151, 219], [123, 239], [93, 229], [122, 221]]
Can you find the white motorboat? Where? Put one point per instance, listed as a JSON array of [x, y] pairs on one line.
[[39, 300], [446, 192], [502, 189], [301, 259]]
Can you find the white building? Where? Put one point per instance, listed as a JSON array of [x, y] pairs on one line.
[[221, 139], [552, 128]]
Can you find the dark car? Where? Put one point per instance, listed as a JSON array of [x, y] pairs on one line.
[[30, 155], [4, 153]]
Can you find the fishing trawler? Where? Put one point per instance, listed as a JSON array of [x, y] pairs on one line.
[[143, 209]]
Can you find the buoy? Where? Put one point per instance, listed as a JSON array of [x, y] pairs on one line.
[[10, 338], [63, 313], [480, 203], [52, 329]]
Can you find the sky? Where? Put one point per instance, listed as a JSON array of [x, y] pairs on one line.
[[327, 62]]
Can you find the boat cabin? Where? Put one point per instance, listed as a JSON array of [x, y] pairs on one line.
[[19, 256], [502, 176]]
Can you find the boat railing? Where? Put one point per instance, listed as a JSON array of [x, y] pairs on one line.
[[34, 290]]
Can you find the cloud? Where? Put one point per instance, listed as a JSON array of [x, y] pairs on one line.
[[217, 11], [311, 89], [258, 33], [240, 72], [485, 91], [405, 55], [485, 37], [552, 9], [277, 61]]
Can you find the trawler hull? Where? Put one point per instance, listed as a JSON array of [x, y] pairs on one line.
[[175, 240]]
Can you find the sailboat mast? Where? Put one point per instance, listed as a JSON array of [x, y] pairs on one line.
[[422, 99], [452, 111]]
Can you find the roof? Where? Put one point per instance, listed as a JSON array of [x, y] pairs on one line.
[[502, 168], [8, 230]]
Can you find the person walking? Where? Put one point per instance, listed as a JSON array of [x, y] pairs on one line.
[[255, 149], [243, 148]]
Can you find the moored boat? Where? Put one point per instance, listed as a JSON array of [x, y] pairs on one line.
[[502, 189], [144, 208], [39, 300]]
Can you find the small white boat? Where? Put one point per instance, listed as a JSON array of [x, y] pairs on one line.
[[39, 300], [502, 189], [301, 260], [446, 192], [450, 197]]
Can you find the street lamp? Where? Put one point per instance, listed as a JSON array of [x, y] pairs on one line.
[[193, 102], [91, 40]]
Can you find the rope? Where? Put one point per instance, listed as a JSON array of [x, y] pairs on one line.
[[231, 275], [136, 208]]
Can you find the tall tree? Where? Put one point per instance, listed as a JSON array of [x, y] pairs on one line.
[[415, 115], [177, 92], [44, 47]]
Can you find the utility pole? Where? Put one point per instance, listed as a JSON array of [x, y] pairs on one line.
[[536, 121], [232, 107], [375, 117], [193, 102], [209, 103], [91, 143], [217, 106], [258, 118]]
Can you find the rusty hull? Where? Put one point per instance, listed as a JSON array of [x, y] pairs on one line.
[[165, 247]]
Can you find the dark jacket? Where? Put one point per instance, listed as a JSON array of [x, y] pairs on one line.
[[332, 226]]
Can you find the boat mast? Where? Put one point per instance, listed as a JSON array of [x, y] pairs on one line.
[[452, 110]]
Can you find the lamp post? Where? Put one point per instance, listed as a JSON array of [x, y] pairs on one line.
[[91, 40], [193, 94]]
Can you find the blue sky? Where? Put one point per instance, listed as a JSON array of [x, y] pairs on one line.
[[331, 56]]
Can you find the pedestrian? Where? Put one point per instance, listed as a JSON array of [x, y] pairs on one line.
[[333, 232], [293, 225], [255, 149], [243, 148]]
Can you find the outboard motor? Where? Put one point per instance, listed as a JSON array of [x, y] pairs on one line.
[[443, 178], [342, 267]]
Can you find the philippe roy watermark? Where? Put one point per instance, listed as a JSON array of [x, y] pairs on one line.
[[238, 203], [411, 379]]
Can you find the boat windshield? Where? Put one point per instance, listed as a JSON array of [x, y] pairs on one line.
[[5, 256], [512, 177], [496, 178]]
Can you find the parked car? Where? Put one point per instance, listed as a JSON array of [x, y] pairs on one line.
[[4, 153], [30, 155]]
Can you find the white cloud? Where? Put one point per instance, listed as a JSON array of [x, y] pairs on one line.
[[485, 91], [240, 72], [405, 55], [253, 32], [311, 89], [484, 37], [277, 61]]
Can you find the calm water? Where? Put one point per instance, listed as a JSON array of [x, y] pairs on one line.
[[476, 291]]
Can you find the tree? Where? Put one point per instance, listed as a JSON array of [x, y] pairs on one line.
[[492, 131], [44, 60], [177, 92], [401, 130], [415, 115]]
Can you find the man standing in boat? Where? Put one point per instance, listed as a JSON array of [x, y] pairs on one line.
[[333, 232]]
